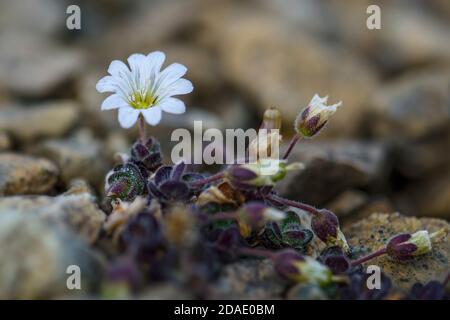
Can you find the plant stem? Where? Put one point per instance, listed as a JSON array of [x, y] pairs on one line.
[[142, 129], [209, 179], [255, 252], [369, 257], [296, 138], [292, 203]]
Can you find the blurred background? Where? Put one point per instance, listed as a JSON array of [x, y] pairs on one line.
[[387, 149]]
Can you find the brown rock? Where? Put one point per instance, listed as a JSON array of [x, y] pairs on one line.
[[428, 197], [248, 279], [78, 212], [36, 255], [49, 119], [20, 174], [347, 202], [77, 157], [5, 142], [331, 168], [372, 233], [282, 67], [33, 66], [414, 106]]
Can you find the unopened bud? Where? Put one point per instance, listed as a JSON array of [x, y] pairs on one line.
[[252, 175], [293, 266], [271, 119], [325, 226], [314, 117], [265, 145], [406, 246], [253, 217]]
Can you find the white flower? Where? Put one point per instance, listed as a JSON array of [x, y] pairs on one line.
[[144, 88], [313, 118]]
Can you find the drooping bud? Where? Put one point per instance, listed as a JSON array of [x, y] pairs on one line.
[[126, 182], [251, 175], [253, 216], [293, 266], [314, 117], [334, 258], [406, 246], [148, 153], [271, 119], [325, 226]]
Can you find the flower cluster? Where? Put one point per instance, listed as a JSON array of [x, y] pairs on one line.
[[172, 224]]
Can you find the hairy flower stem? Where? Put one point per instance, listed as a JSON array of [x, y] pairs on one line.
[[142, 129], [209, 179], [296, 138], [261, 253], [291, 203], [369, 257]]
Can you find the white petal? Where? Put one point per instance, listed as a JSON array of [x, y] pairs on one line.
[[172, 105], [136, 61], [152, 115], [181, 86], [114, 101], [118, 69], [106, 84], [169, 75], [155, 60], [128, 117]]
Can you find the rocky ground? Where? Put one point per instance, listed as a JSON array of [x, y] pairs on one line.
[[382, 165]]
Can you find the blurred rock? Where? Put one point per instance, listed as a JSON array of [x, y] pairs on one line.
[[115, 143], [203, 69], [79, 186], [35, 67], [417, 159], [284, 67], [35, 257], [42, 17], [48, 119], [372, 233], [91, 101], [20, 174], [428, 197], [388, 47], [5, 142], [165, 291], [248, 279], [374, 205], [79, 212], [347, 202], [150, 26], [415, 105], [331, 168], [79, 156]]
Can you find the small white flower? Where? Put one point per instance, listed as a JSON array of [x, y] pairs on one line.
[[144, 88], [312, 119]]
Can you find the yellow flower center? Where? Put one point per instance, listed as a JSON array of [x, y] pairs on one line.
[[139, 100]]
